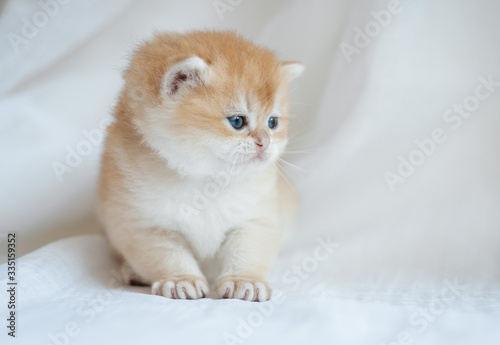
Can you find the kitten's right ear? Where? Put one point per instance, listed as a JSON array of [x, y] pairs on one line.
[[188, 73], [292, 69]]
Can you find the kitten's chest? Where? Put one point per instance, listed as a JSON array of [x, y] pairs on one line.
[[206, 210]]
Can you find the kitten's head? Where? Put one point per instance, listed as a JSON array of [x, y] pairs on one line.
[[209, 102]]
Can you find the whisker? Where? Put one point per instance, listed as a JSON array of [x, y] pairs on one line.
[[290, 164], [282, 173], [312, 150]]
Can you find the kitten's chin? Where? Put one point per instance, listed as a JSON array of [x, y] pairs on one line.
[[259, 162], [199, 169], [212, 166], [259, 158], [241, 168]]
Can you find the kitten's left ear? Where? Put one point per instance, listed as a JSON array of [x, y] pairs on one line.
[[188, 73], [292, 69]]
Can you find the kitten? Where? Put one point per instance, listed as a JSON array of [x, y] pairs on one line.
[[189, 172]]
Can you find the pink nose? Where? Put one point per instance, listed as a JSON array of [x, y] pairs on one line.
[[262, 141], [260, 147]]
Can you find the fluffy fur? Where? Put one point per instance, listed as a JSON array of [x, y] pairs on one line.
[[180, 188]]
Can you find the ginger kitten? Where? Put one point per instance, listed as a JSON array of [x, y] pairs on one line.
[[189, 173]]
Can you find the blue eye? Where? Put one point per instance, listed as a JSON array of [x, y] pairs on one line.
[[236, 121], [272, 122]]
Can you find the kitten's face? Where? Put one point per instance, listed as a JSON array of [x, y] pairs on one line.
[[212, 130], [213, 118]]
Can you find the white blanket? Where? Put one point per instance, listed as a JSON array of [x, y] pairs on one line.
[[69, 293], [394, 149]]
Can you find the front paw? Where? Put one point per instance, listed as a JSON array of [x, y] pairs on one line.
[[181, 287], [243, 288]]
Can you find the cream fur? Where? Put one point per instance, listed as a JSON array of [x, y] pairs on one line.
[[173, 196]]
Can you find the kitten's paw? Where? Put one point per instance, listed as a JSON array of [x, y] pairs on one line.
[[181, 287], [246, 289]]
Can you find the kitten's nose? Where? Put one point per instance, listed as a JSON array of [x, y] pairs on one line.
[[260, 147], [262, 141]]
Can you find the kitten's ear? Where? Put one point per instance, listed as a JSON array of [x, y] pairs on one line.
[[292, 69], [188, 73]]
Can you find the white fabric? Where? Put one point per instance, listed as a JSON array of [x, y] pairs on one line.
[[71, 283], [395, 251]]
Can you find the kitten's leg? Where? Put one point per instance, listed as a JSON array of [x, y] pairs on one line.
[[164, 258], [246, 257], [130, 277]]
